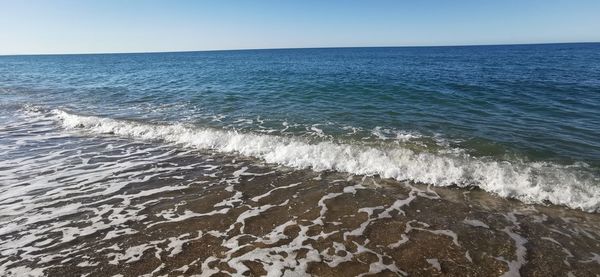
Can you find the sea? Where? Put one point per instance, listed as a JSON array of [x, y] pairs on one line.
[[461, 160]]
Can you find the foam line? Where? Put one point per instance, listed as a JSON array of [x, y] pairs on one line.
[[531, 182]]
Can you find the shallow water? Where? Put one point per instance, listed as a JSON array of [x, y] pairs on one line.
[[391, 161], [76, 204]]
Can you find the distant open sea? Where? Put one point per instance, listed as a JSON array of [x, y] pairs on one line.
[[516, 121]]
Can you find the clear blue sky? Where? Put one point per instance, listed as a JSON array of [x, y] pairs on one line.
[[83, 26]]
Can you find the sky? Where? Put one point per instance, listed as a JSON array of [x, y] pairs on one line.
[[108, 26]]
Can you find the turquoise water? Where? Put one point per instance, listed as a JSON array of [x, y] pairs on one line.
[[518, 121]]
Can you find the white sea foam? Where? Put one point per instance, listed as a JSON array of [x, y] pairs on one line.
[[528, 182]]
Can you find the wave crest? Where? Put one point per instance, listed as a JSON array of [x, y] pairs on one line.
[[530, 182]]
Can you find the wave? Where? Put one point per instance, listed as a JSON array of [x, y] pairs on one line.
[[531, 182]]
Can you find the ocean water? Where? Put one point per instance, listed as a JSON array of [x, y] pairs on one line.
[[96, 148], [518, 121]]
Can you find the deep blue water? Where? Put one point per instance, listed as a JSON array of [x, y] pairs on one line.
[[520, 104]]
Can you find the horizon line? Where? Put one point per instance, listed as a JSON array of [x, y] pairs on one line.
[[295, 48]]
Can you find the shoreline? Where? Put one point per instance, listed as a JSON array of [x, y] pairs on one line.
[[229, 215]]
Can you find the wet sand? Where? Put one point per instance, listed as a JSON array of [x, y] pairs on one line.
[[197, 213]]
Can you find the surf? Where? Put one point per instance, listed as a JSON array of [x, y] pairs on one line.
[[573, 186]]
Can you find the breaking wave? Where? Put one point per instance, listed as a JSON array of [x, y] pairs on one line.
[[574, 186]]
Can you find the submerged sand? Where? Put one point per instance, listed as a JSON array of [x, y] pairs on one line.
[[196, 213]]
